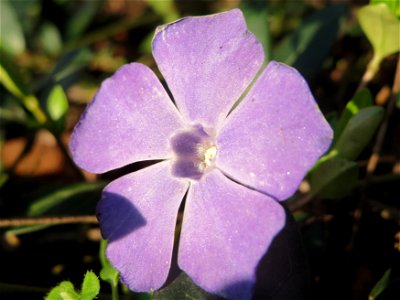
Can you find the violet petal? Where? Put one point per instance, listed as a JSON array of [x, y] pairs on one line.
[[129, 120], [226, 230], [207, 62], [275, 135], [137, 215]]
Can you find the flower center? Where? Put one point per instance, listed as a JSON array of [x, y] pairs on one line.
[[194, 151]]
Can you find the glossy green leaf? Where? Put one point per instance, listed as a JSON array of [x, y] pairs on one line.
[[12, 40], [50, 38], [256, 15], [307, 47], [334, 178], [107, 273], [360, 100], [182, 288], [57, 107], [359, 132], [90, 286], [382, 29], [394, 5], [64, 291]]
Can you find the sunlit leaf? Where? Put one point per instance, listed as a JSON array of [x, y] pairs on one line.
[[14, 84], [12, 40], [394, 5], [358, 132], [382, 29], [334, 178], [11, 79], [57, 107], [90, 286], [50, 38], [64, 291], [307, 46], [360, 100]]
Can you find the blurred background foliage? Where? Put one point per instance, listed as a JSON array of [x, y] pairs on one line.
[[54, 55]]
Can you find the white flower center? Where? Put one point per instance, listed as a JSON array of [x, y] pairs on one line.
[[194, 153]]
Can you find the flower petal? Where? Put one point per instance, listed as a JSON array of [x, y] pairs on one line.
[[207, 62], [137, 215], [226, 230], [275, 135], [129, 120]]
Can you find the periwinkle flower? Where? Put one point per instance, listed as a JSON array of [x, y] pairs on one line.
[[234, 166]]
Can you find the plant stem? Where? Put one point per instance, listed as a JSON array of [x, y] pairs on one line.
[[373, 160], [48, 221], [372, 69], [114, 292]]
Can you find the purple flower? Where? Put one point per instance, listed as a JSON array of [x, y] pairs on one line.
[[233, 166]]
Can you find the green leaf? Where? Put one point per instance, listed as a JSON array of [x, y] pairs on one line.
[[166, 9], [334, 178], [182, 288], [50, 39], [360, 100], [307, 47], [53, 201], [12, 40], [256, 15], [14, 84], [68, 65], [12, 111], [90, 286], [64, 291], [387, 280], [57, 107], [358, 132], [382, 29], [107, 273], [64, 200], [145, 45], [82, 18], [10, 79], [394, 5]]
